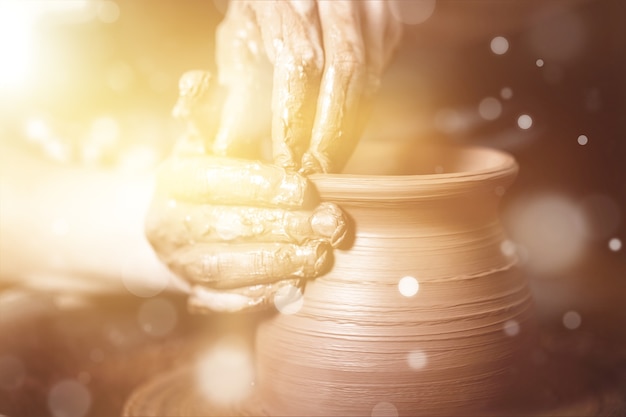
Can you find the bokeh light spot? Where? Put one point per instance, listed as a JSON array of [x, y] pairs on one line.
[[408, 286], [615, 244], [417, 359], [226, 373], [384, 409], [412, 12], [37, 130], [524, 121], [490, 108], [508, 248], [506, 93], [69, 398], [157, 317], [145, 279], [572, 320], [551, 228], [288, 299], [511, 328], [12, 372], [499, 45], [582, 140], [452, 121]]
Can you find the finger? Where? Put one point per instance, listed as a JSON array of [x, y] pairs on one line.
[[343, 83], [291, 34], [191, 109], [255, 297], [240, 265], [382, 33], [212, 179], [171, 226], [241, 66]]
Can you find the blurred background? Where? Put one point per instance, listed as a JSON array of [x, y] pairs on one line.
[[86, 92]]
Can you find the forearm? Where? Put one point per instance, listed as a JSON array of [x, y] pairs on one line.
[[74, 229]]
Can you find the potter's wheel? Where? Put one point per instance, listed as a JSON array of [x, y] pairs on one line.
[[559, 385]]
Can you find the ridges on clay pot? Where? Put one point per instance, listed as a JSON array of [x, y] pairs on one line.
[[423, 312]]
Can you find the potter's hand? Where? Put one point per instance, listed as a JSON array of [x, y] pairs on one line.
[[238, 230], [328, 57]]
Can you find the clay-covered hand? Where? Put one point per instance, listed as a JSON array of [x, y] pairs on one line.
[[327, 57], [239, 231]]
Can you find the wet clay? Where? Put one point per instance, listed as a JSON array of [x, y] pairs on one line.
[[441, 348]]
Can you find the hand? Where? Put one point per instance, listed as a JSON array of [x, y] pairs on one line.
[[239, 231], [328, 58]]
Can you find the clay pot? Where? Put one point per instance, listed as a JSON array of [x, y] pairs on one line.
[[424, 313]]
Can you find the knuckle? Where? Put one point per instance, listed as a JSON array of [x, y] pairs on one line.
[[305, 58], [312, 58]]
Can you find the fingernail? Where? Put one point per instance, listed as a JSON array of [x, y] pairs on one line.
[[328, 221], [319, 251], [294, 189]]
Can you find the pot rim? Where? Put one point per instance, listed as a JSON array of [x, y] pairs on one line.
[[500, 169]]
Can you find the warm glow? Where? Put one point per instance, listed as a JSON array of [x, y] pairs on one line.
[[17, 19], [18, 36]]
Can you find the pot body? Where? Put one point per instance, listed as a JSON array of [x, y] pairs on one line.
[[423, 312]]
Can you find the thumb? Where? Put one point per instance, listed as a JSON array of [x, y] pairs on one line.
[[241, 66]]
